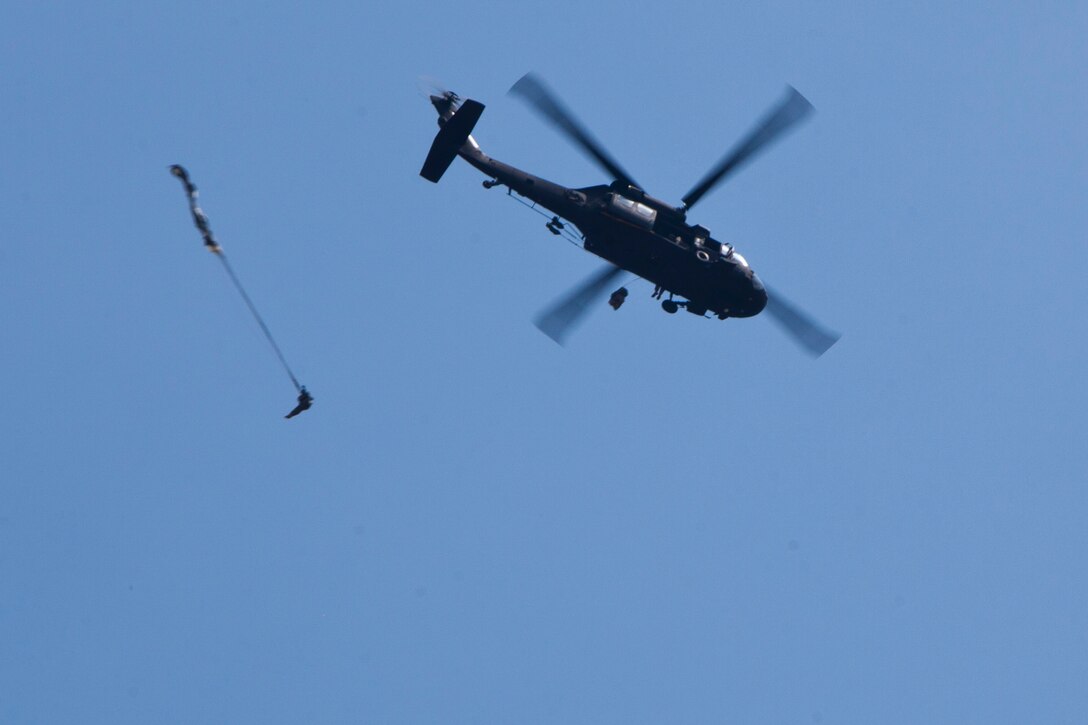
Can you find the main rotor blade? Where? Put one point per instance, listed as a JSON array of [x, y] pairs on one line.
[[789, 111], [563, 316], [543, 100], [815, 339]]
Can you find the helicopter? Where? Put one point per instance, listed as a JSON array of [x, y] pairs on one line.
[[631, 230]]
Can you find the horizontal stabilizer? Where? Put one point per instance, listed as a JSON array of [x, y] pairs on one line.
[[451, 137]]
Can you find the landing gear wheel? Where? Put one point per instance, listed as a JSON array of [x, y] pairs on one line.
[[670, 306]]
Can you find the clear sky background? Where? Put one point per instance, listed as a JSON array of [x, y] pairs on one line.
[[669, 520]]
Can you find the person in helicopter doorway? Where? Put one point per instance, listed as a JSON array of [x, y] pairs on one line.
[[305, 400]]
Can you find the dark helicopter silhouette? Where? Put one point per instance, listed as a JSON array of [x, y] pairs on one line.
[[627, 227]]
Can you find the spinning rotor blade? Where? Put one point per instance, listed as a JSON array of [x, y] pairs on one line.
[[789, 111], [543, 100], [430, 86], [563, 316], [800, 327]]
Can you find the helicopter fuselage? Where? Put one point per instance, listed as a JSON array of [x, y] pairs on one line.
[[641, 234]]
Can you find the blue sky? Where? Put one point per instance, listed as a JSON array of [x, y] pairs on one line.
[[669, 520]]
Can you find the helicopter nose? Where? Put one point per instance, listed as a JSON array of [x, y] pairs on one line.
[[758, 296]]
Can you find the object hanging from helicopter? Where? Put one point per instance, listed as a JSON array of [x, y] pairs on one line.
[[630, 229]]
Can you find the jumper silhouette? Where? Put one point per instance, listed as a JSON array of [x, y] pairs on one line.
[[305, 400]]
